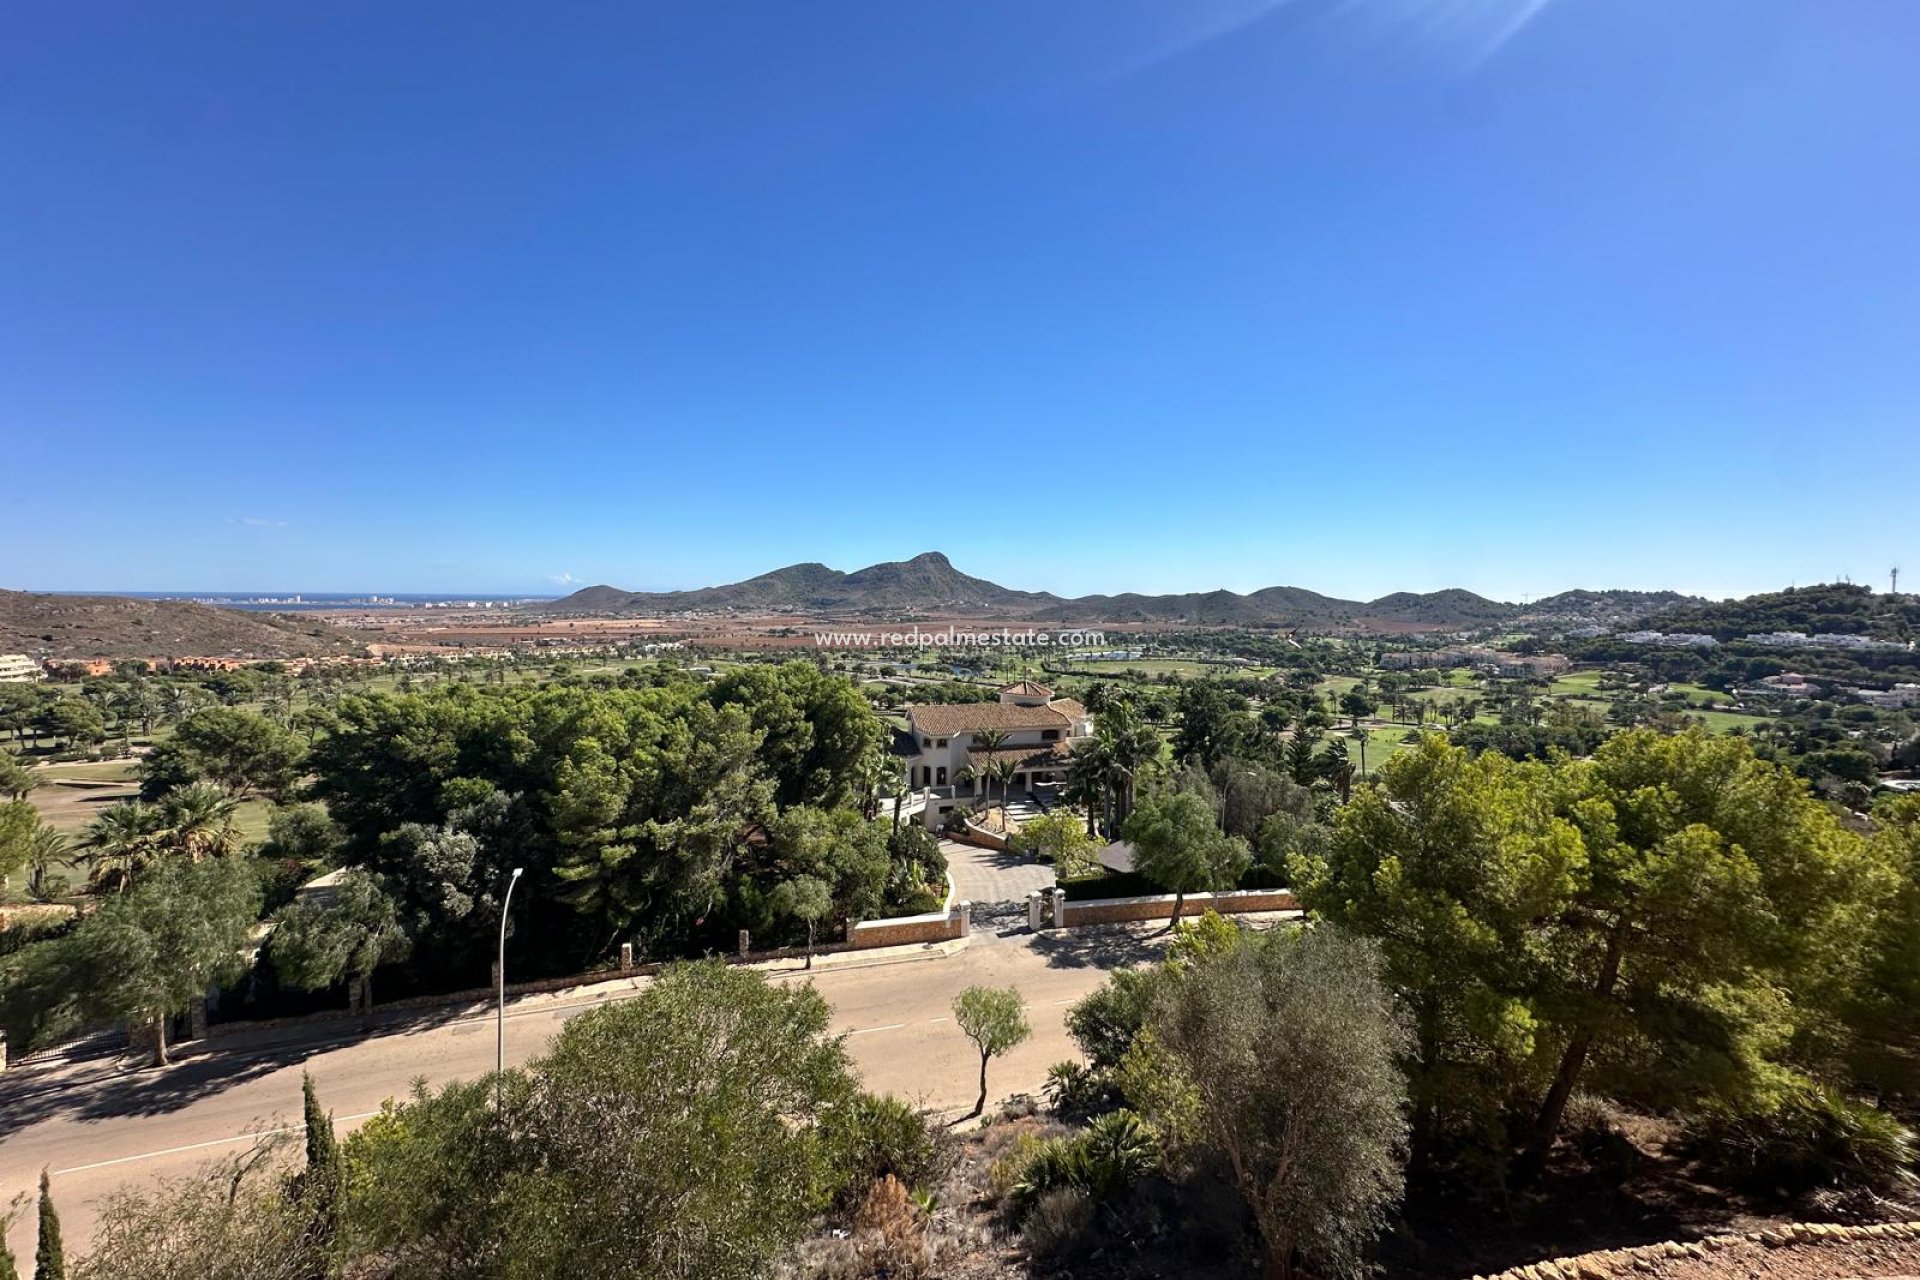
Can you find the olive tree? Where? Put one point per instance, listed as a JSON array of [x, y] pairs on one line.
[[680, 1134], [1289, 1042]]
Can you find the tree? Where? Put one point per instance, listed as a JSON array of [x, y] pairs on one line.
[[234, 1221], [46, 848], [1712, 881], [1213, 723], [199, 821], [121, 841], [988, 741], [1131, 745], [1178, 846], [19, 820], [17, 778], [1356, 703], [1090, 781], [78, 721], [1299, 758], [302, 831], [806, 898], [49, 1256], [241, 751], [817, 729], [677, 1135], [321, 1183], [150, 952], [1059, 838], [993, 1019], [1289, 1041], [341, 934], [1449, 863]]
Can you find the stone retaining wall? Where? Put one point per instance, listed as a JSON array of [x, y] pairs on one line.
[[1070, 915], [1769, 1251]]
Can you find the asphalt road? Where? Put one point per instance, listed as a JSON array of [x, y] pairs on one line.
[[101, 1126]]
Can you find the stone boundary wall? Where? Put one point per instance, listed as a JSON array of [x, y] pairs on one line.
[[1750, 1248], [1069, 915], [953, 920], [941, 926]]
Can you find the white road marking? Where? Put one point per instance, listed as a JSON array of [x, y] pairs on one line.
[[891, 1026], [200, 1146]]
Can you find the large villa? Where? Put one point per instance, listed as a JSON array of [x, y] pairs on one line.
[[950, 747]]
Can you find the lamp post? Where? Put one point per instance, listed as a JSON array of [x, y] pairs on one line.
[[500, 1024]]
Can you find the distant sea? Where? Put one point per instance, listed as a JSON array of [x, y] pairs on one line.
[[297, 601]]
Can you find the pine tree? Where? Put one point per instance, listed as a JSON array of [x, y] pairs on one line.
[[9, 1270], [49, 1260]]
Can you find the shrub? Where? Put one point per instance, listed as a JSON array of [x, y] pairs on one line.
[[1110, 1155], [1816, 1137], [880, 1137], [890, 1232], [1058, 1221], [1076, 1092]]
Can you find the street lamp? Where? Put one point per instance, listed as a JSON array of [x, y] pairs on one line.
[[500, 1025]]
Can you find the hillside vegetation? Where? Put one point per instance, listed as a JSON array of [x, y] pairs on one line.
[[62, 626], [1825, 609]]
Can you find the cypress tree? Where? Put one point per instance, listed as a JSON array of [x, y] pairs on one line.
[[319, 1183], [49, 1259], [9, 1270]]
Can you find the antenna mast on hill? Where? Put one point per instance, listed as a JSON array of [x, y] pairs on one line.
[[1893, 581]]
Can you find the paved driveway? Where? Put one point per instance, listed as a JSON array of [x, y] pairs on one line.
[[987, 875]]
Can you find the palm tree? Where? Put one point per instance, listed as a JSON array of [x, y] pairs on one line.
[[45, 847], [989, 741], [200, 822], [122, 841], [1090, 778], [1003, 770], [1131, 744]]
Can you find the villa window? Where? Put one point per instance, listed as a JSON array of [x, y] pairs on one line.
[[926, 742], [943, 777], [942, 742], [1049, 735]]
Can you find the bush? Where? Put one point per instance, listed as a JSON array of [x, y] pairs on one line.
[[1058, 1221], [1815, 1138], [1076, 1092], [890, 1233], [916, 845], [873, 1138], [1110, 1155]]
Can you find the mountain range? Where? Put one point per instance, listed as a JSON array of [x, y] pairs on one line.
[[929, 585]]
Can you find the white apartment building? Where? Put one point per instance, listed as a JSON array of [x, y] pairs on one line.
[[18, 668]]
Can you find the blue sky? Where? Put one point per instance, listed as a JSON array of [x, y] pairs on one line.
[[1093, 295]]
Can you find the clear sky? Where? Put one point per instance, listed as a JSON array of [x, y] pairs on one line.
[[1092, 295]]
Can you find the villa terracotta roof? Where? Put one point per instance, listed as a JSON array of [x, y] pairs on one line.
[[1046, 753], [1069, 708], [944, 719], [1027, 689]]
